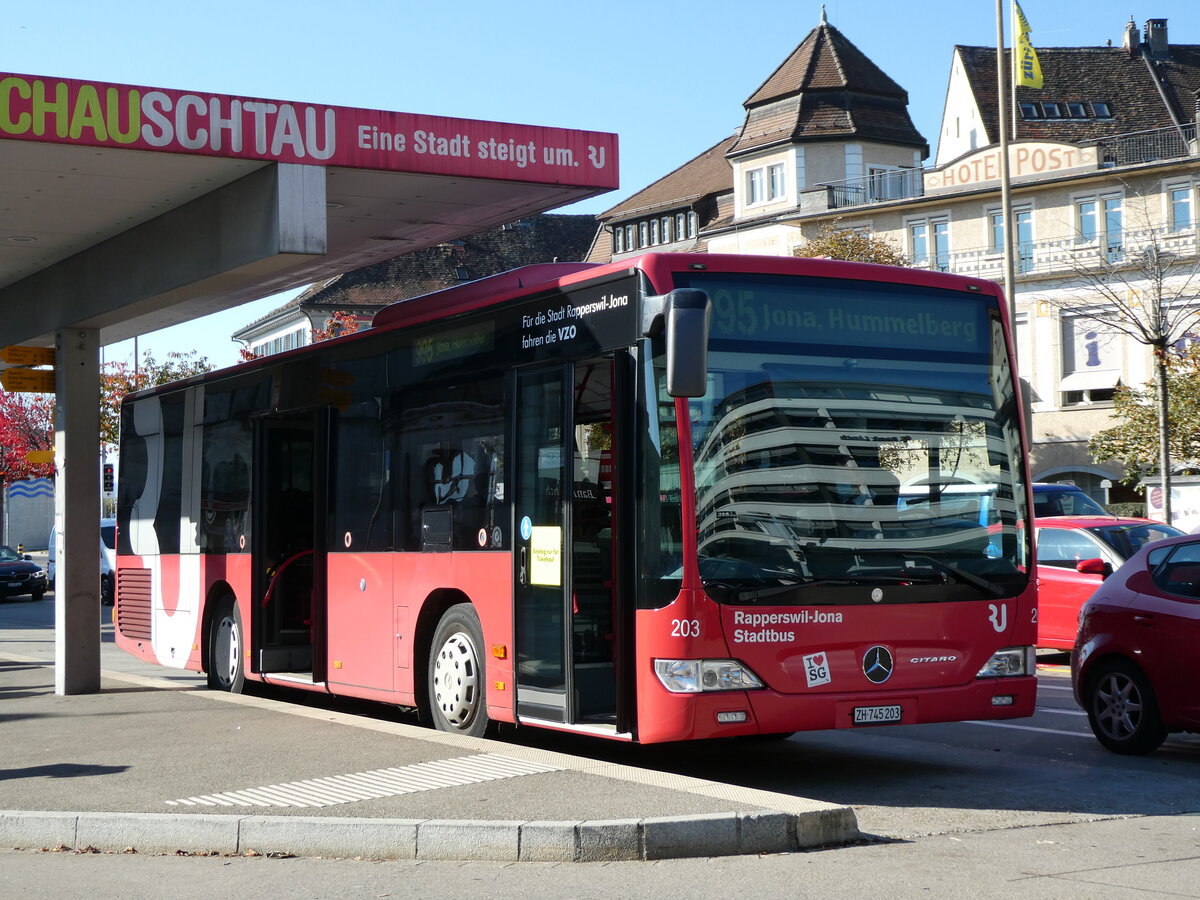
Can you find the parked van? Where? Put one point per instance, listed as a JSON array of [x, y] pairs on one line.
[[108, 559]]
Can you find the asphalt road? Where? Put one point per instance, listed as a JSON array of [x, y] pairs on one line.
[[1034, 805]]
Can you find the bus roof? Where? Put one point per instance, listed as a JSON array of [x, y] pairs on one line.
[[527, 279], [463, 297]]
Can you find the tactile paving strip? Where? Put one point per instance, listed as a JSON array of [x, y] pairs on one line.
[[373, 785]]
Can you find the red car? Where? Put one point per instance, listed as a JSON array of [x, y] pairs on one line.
[[1074, 555], [1136, 663]]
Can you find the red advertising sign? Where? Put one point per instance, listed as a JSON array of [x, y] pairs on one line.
[[96, 114]]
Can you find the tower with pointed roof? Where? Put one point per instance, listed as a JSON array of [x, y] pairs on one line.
[[826, 114]]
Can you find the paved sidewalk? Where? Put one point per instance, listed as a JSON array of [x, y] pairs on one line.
[[158, 764]]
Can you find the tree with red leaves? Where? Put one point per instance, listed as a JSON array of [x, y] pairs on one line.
[[118, 379], [338, 324], [26, 423]]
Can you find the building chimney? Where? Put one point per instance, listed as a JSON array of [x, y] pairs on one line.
[[1156, 39], [1129, 40]]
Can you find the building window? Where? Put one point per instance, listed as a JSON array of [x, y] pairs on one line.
[[1023, 216], [1091, 360], [775, 186], [754, 187], [666, 229], [1114, 238], [1181, 207], [654, 235], [643, 234], [888, 183], [680, 226], [1100, 220], [629, 245], [1085, 398], [693, 224], [1064, 109], [995, 231], [766, 184], [1085, 220], [618, 240], [929, 243]]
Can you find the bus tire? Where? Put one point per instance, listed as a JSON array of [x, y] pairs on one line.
[[456, 678], [226, 649]]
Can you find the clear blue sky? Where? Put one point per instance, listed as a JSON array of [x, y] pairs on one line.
[[669, 78]]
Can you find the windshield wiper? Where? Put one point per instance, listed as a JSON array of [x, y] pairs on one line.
[[963, 575], [988, 587], [747, 595]]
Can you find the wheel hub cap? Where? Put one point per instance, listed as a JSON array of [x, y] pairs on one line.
[[456, 681]]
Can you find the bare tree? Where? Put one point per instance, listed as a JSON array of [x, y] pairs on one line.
[[1135, 283]]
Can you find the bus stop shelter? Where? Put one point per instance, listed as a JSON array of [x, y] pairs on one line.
[[125, 209]]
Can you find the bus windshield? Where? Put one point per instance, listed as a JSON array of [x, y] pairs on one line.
[[855, 433]]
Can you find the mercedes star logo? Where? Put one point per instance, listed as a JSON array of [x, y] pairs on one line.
[[877, 664]]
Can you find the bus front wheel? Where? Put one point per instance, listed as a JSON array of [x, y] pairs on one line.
[[456, 673], [226, 649]]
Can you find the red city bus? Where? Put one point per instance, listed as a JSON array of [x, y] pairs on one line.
[[667, 498]]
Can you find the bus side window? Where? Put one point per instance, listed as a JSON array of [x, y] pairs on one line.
[[451, 459]]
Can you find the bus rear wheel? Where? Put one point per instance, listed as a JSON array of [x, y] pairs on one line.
[[456, 673], [226, 649]]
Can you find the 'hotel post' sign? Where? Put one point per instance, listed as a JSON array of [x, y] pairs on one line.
[[1026, 159]]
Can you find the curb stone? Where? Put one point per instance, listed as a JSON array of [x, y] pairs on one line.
[[668, 837]]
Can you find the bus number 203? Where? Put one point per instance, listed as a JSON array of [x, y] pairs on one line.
[[685, 628]]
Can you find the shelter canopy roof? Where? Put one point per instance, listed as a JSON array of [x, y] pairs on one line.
[[95, 176]]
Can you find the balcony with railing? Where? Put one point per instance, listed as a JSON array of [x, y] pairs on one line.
[[878, 187], [1068, 256], [1145, 146]]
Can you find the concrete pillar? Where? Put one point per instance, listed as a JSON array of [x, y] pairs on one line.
[[77, 512]]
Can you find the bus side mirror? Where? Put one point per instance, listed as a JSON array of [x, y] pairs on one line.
[[685, 315]]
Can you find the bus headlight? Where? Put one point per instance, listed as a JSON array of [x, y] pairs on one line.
[[693, 676], [1010, 661]]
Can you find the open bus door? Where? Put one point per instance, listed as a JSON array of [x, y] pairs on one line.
[[573, 631], [288, 545]]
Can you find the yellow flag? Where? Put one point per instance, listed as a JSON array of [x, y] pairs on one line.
[[1028, 71]]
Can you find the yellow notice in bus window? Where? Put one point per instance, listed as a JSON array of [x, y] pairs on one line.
[[545, 544]]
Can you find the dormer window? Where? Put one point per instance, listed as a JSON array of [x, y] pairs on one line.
[[654, 232], [765, 185], [1064, 109], [775, 186], [755, 192]]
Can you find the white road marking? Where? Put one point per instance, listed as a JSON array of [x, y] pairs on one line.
[[1082, 734], [356, 786]]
